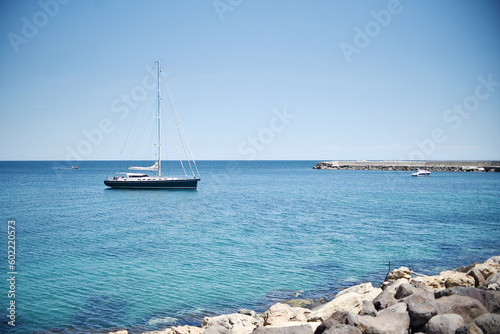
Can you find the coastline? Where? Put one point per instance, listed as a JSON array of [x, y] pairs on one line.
[[403, 165], [464, 300]]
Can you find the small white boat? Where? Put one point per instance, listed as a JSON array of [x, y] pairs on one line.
[[421, 172]]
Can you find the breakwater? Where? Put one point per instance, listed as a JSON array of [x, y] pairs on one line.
[[405, 165]]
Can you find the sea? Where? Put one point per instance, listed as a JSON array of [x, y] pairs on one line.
[[90, 259]]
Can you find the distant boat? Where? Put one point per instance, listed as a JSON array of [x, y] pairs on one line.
[[74, 167], [145, 181], [421, 172]]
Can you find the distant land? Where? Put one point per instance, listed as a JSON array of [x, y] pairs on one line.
[[440, 166]]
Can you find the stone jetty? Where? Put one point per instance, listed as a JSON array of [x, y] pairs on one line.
[[461, 301], [402, 165]]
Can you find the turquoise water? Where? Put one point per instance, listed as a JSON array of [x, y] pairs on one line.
[[90, 258]]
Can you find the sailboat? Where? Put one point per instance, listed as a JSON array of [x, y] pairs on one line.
[[134, 180]]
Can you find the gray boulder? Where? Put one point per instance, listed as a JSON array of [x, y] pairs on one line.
[[393, 286], [217, 329], [368, 309], [342, 329], [468, 308], [444, 324], [469, 329], [492, 301], [229, 323], [421, 309], [406, 290], [478, 277], [493, 282], [392, 320], [489, 298], [384, 300], [302, 329], [472, 292], [489, 323], [339, 317]]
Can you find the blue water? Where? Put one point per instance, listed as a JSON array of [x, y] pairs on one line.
[[90, 258]]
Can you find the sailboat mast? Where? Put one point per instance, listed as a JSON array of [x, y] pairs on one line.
[[158, 144]]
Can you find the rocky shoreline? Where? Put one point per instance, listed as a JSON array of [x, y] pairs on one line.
[[461, 301], [437, 166]]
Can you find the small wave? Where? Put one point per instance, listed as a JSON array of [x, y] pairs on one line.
[[163, 321]]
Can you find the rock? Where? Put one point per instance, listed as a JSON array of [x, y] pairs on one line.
[[247, 312], [406, 290], [360, 288], [299, 302], [493, 282], [392, 320], [469, 329], [398, 308], [342, 329], [489, 298], [446, 279], [234, 323], [492, 301], [180, 330], [466, 269], [393, 286], [478, 277], [396, 274], [302, 329], [336, 321], [489, 267], [281, 313], [494, 262], [462, 291], [489, 323], [349, 300], [453, 278], [217, 329], [367, 308], [444, 324], [186, 330], [341, 317], [421, 308], [384, 300], [313, 325], [468, 308]]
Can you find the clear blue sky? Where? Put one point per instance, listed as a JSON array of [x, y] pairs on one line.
[[347, 79]]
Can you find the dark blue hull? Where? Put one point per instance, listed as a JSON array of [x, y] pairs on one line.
[[157, 184]]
